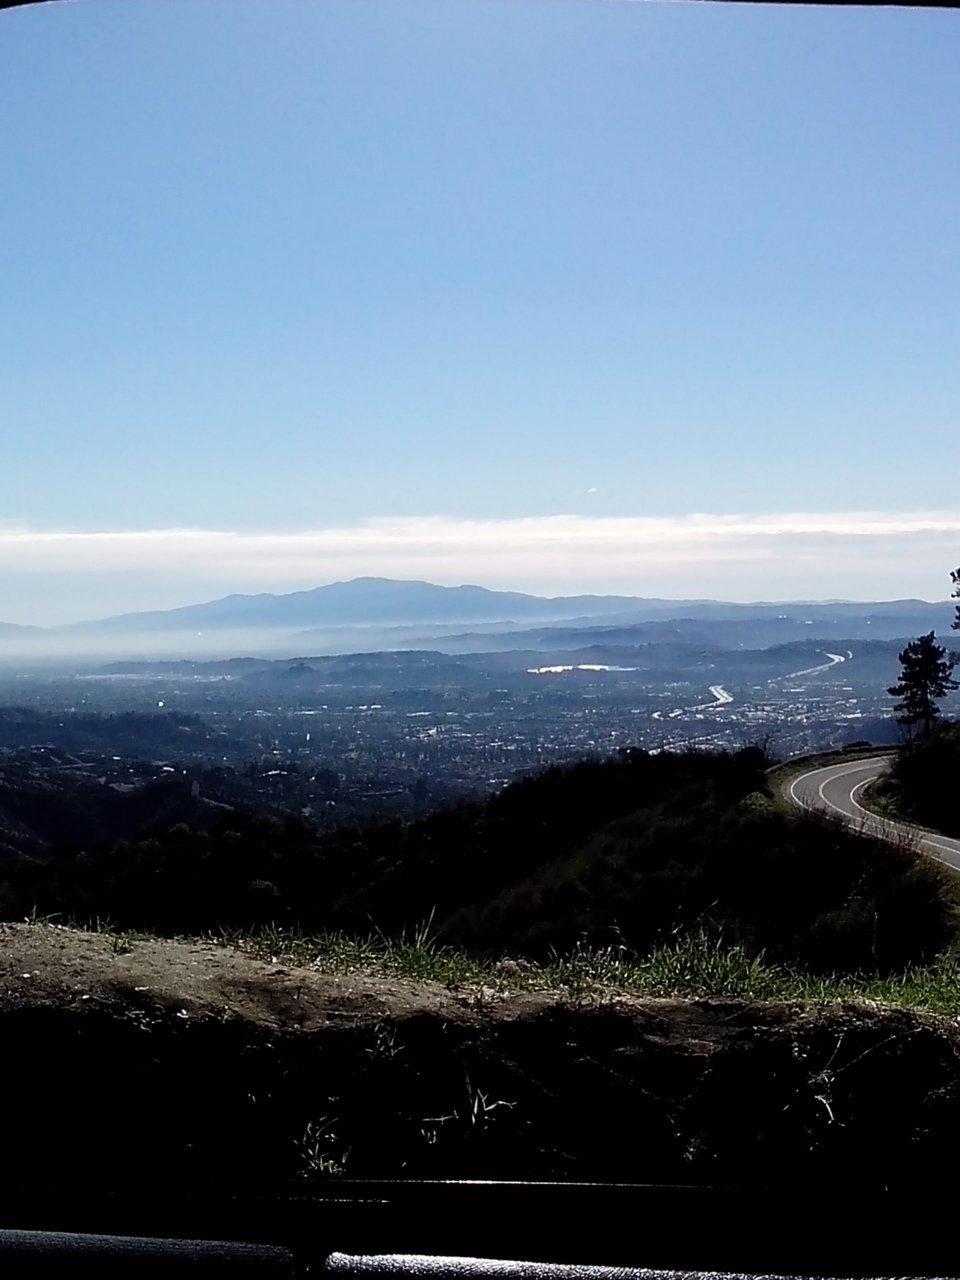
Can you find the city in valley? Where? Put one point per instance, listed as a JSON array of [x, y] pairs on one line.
[[345, 738]]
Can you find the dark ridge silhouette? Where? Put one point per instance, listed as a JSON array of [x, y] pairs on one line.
[[628, 850]]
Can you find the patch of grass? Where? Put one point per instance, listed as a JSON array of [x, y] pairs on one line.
[[318, 1151], [416, 956], [120, 941], [880, 798], [699, 966]]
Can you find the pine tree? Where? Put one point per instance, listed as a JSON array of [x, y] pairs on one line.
[[925, 677], [955, 594]]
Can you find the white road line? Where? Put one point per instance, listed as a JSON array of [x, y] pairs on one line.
[[791, 790], [853, 768]]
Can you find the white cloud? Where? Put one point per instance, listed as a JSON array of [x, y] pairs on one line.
[[815, 555]]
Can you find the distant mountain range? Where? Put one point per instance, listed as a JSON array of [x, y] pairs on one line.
[[365, 602], [13, 630], [739, 631], [383, 613], [386, 601]]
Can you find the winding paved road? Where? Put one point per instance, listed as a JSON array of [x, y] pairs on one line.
[[835, 790]]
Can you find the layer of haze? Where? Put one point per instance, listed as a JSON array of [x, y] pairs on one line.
[[283, 273]]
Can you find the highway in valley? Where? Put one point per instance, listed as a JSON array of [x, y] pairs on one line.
[[836, 790]]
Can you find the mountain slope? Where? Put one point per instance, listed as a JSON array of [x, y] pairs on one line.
[[362, 601], [740, 628], [17, 631], [366, 614], [387, 601], [239, 1056]]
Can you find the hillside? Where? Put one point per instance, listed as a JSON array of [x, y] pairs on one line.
[[623, 851], [627, 970], [634, 969], [921, 786], [366, 600], [728, 627], [201, 1064], [63, 807]]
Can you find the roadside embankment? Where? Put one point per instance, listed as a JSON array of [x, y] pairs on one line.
[[160, 1063]]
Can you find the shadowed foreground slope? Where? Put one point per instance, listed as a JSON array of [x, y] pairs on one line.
[[174, 1063], [628, 850]]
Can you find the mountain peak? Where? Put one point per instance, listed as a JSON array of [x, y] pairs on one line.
[[359, 602]]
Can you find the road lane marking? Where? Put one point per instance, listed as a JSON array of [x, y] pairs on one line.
[[861, 764], [835, 777]]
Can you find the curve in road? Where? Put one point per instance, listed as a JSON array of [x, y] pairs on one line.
[[833, 660], [835, 790]]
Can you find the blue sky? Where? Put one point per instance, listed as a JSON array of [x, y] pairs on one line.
[[279, 270]]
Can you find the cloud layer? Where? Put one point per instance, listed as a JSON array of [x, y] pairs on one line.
[[56, 575]]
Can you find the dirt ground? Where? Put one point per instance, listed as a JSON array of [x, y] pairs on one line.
[[175, 1063], [49, 964], [68, 968]]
